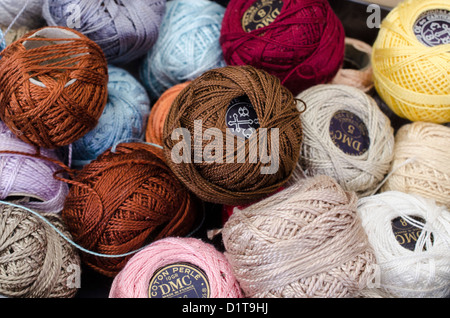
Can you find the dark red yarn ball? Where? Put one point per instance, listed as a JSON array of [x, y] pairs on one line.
[[303, 46]]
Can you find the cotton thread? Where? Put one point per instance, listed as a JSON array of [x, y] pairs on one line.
[[346, 136], [411, 72], [133, 281], [35, 262], [51, 102], [235, 174], [125, 30], [356, 70], [424, 271], [187, 45], [303, 242], [124, 117], [428, 175], [301, 42], [14, 33], [25, 13]]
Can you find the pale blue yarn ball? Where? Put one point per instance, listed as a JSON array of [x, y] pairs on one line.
[[124, 118], [187, 45], [2, 41]]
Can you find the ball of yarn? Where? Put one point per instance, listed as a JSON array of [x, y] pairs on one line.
[[187, 45], [299, 41], [123, 200], [190, 261], [30, 17], [357, 69], [158, 113], [14, 33], [2, 41], [52, 101], [426, 147], [410, 237], [28, 176], [124, 117], [125, 30], [36, 261], [240, 135], [411, 59], [346, 136], [303, 242]]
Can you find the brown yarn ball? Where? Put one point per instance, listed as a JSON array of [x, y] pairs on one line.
[[123, 200], [306, 241], [36, 261], [221, 100], [53, 86]]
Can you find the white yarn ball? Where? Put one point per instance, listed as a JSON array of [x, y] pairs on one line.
[[420, 270], [345, 136], [31, 17]]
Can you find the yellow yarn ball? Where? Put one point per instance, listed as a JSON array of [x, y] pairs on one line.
[[411, 60]]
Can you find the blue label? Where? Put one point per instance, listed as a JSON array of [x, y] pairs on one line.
[[432, 27]]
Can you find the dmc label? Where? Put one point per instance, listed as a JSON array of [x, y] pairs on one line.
[[406, 233], [349, 133], [260, 14], [180, 280], [241, 117], [432, 27]]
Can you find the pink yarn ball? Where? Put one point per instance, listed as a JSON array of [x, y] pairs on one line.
[[138, 276]]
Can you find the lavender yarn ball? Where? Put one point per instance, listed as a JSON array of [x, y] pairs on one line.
[[124, 29], [124, 117]]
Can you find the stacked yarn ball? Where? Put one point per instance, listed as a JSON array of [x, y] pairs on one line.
[[421, 162], [411, 59], [23, 174], [306, 241], [299, 41], [346, 136], [421, 269], [214, 103], [36, 261], [125, 30], [187, 45], [134, 281], [123, 200], [31, 16], [51, 102], [124, 117]]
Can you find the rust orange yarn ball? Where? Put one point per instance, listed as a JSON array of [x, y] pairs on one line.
[[124, 200], [53, 86]]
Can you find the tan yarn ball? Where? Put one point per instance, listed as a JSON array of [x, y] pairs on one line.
[[36, 261], [14, 33], [421, 162], [306, 241]]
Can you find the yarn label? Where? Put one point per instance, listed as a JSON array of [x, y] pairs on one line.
[[179, 280], [432, 27], [260, 14], [407, 233], [241, 117], [349, 133]]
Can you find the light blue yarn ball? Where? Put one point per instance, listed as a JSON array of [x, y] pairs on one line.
[[2, 41], [187, 45], [124, 118]]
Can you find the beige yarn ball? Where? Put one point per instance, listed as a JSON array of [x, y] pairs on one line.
[[36, 261], [14, 33], [305, 241], [421, 162], [345, 136]]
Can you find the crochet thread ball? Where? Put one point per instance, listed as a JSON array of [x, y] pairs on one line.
[[124, 117], [426, 147], [299, 41], [210, 275], [187, 45], [410, 237], [346, 136], [305, 241], [123, 200], [35, 261], [30, 177], [50, 101], [233, 135], [14, 33], [411, 59], [2, 41], [31, 16], [125, 30]]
